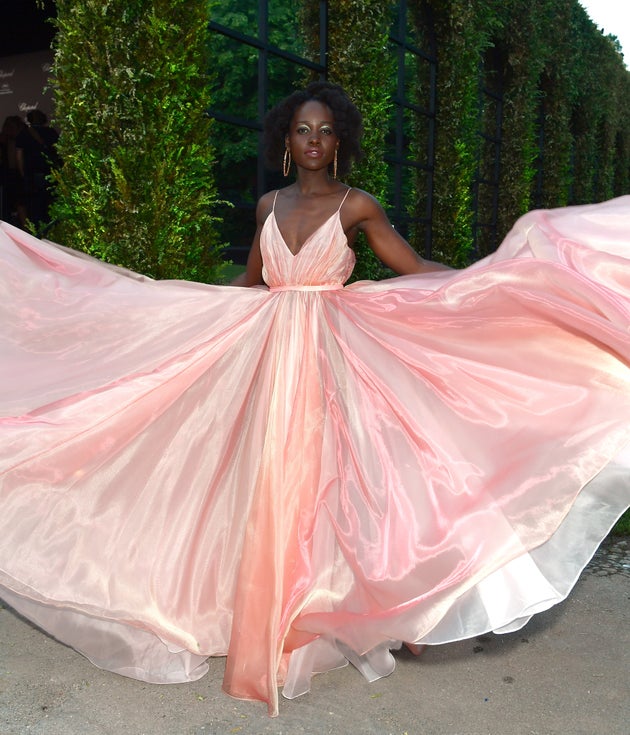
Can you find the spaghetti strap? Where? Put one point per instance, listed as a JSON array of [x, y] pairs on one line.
[[344, 199], [273, 206]]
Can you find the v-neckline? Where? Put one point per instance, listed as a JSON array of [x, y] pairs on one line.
[[307, 240]]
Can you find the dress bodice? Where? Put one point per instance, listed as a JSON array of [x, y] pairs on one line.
[[323, 260]]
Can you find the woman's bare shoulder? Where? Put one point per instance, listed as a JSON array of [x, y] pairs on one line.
[[265, 205], [362, 206], [363, 200]]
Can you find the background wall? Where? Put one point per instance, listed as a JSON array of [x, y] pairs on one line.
[[24, 82]]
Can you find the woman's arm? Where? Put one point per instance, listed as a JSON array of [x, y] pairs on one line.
[[253, 273], [389, 247]]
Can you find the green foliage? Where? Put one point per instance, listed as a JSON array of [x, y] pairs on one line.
[[566, 115], [463, 32], [566, 112], [622, 527], [525, 51], [565, 132], [136, 187]]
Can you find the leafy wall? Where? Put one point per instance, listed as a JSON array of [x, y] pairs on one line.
[[138, 183], [137, 186], [565, 134]]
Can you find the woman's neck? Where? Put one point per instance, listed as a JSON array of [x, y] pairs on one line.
[[315, 183]]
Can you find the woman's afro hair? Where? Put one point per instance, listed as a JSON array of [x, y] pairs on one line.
[[347, 120]]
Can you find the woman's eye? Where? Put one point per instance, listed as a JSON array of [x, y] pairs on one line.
[[327, 131], [302, 130]]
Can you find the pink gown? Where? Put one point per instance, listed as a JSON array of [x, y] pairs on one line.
[[306, 474]]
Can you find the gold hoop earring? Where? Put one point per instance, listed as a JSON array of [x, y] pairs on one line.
[[335, 165], [286, 162]]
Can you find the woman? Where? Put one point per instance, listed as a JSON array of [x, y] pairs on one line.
[[322, 144], [302, 474]]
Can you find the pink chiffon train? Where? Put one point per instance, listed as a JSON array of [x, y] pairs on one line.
[[308, 474]]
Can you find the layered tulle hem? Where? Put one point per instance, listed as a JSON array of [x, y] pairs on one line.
[[502, 602]]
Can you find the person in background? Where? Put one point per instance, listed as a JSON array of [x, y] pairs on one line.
[[36, 157], [10, 179]]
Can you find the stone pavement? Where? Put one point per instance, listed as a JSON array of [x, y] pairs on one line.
[[567, 672]]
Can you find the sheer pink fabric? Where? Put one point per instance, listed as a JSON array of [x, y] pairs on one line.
[[308, 474]]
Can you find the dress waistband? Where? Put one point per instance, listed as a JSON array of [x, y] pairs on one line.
[[302, 287]]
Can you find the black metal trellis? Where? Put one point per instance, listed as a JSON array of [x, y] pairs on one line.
[[266, 52], [404, 214]]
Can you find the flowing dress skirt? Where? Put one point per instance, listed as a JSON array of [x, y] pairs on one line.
[[299, 476]]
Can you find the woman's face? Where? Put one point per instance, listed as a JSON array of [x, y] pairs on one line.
[[312, 139]]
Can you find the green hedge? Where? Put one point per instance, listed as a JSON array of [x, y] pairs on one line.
[[462, 31], [567, 115], [136, 187], [566, 108]]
